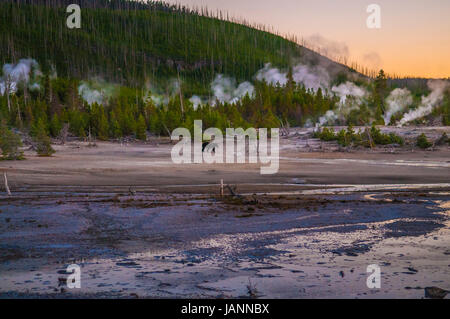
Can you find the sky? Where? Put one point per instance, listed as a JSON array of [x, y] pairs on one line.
[[413, 40]]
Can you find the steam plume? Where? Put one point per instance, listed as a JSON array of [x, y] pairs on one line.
[[25, 72], [396, 102], [95, 92], [311, 77], [347, 89], [329, 48], [329, 117], [225, 90], [154, 96], [196, 101], [271, 75], [437, 88], [351, 96]]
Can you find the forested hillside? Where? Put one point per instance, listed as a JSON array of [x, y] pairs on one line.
[[134, 69], [129, 45]]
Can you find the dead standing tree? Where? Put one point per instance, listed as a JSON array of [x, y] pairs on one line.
[[64, 133], [6, 184], [8, 84], [284, 129]]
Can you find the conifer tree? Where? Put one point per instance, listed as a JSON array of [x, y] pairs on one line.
[[141, 129], [115, 129], [10, 143], [103, 127], [42, 140], [55, 125]]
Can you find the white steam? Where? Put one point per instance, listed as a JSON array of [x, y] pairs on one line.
[[329, 117], [196, 101], [428, 103], [350, 96], [329, 48], [311, 77], [397, 101], [159, 100], [225, 90], [26, 72], [271, 75], [154, 96], [348, 89], [95, 92]]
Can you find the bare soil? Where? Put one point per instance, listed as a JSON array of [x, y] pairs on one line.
[[141, 226]]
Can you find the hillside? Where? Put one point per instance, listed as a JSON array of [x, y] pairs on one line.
[[134, 69], [130, 44]]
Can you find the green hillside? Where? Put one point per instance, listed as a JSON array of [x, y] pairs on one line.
[[129, 44], [104, 70]]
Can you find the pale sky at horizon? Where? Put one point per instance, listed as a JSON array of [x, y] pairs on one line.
[[414, 38]]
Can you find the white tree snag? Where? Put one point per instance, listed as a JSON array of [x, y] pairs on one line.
[[6, 184]]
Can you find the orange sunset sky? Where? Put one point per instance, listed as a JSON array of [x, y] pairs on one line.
[[414, 38]]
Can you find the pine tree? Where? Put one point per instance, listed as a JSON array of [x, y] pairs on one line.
[[380, 90], [55, 125], [103, 127], [77, 123], [115, 129], [42, 140], [9, 143], [141, 129]]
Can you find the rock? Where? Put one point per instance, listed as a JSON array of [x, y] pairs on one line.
[[412, 269], [435, 293]]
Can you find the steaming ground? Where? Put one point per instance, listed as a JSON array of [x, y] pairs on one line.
[[142, 226]]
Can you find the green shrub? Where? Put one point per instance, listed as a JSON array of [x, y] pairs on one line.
[[10, 144], [380, 138], [423, 142], [55, 125], [43, 141], [326, 134], [366, 141], [342, 138], [349, 137], [395, 139]]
